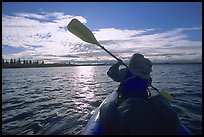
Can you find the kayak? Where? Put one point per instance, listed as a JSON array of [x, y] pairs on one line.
[[93, 127]]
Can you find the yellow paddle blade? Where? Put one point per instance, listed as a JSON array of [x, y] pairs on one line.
[[81, 31], [166, 95]]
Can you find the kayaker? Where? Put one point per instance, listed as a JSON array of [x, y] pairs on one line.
[[136, 112], [138, 72]]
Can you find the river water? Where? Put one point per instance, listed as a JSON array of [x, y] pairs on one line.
[[60, 100]]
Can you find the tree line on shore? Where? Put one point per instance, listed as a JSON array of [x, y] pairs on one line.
[[20, 61]]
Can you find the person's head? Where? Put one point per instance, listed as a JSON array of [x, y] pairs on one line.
[[141, 67]]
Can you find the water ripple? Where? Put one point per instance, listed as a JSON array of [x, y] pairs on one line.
[[59, 101]]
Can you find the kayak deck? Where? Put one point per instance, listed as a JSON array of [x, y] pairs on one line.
[[93, 127]]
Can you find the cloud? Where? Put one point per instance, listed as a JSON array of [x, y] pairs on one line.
[[118, 34], [45, 36]]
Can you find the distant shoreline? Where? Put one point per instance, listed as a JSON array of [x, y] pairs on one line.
[[5, 66], [180, 63]]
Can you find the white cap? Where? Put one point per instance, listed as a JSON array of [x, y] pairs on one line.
[[141, 67]]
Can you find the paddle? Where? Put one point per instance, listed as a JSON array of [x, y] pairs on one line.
[[163, 94], [81, 31]]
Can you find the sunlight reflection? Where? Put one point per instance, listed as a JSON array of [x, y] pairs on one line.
[[85, 80]]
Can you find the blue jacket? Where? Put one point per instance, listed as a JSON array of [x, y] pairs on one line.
[[131, 85]]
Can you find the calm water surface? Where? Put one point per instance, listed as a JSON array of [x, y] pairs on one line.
[[61, 100]]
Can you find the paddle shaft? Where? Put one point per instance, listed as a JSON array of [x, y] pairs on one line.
[[111, 54]]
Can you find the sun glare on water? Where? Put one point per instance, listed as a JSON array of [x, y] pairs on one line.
[[85, 79]]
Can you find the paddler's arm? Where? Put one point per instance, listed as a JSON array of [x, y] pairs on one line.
[[115, 73]]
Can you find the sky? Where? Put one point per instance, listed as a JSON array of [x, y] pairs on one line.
[[161, 31]]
